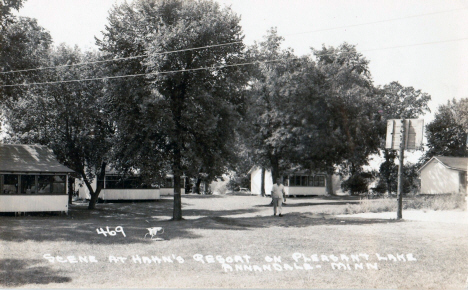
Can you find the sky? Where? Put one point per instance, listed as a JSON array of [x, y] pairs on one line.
[[419, 43]]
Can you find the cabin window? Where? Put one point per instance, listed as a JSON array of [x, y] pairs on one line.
[[319, 181], [10, 184], [307, 180], [33, 184], [51, 184], [113, 182], [169, 182], [28, 184], [119, 182]]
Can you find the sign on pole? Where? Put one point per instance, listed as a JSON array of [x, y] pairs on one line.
[[414, 129], [403, 134]]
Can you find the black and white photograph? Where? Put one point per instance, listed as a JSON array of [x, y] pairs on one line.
[[233, 144]]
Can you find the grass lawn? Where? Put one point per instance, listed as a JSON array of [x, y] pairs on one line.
[[303, 249]]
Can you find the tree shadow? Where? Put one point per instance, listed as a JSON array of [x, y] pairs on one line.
[[290, 204], [239, 223], [16, 273], [328, 197]]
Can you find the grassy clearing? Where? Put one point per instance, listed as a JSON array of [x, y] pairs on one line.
[[229, 227]]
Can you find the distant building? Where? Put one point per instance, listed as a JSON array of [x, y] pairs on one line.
[[443, 174], [32, 180], [295, 183], [116, 186]]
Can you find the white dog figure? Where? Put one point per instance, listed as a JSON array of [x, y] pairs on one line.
[[153, 232]]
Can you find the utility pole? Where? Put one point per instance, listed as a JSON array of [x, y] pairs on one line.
[[400, 170], [407, 134]]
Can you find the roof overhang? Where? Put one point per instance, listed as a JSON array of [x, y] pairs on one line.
[[440, 161]]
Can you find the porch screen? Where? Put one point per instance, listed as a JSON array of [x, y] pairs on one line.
[[310, 181], [10, 184], [51, 184]]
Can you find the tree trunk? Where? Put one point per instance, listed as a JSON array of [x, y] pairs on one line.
[[206, 187], [71, 180], [274, 167], [197, 185], [177, 103], [95, 194], [262, 188], [329, 180], [177, 211], [177, 161]]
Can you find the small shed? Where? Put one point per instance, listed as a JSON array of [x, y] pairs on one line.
[[32, 179], [442, 175]]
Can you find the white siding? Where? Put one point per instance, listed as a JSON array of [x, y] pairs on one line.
[[129, 194], [170, 191], [436, 179], [256, 181], [84, 192], [305, 190], [33, 203]]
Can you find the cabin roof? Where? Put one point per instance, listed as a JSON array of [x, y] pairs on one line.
[[455, 163], [20, 158]]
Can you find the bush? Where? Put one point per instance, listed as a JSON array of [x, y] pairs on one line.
[[357, 183], [428, 202], [366, 205], [436, 202]]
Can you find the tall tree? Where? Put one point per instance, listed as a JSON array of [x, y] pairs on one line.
[[447, 133], [265, 117], [395, 101], [6, 8], [184, 112], [24, 45], [345, 124]]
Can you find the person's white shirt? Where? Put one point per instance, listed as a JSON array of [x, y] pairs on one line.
[[278, 191]]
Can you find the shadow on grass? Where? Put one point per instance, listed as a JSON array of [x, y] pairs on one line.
[[183, 229], [16, 273], [81, 224], [301, 204]]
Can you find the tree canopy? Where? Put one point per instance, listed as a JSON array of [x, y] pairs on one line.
[[447, 133]]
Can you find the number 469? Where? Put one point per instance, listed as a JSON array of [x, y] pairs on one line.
[[106, 232]]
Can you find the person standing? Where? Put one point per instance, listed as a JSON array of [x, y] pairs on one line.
[[278, 195]]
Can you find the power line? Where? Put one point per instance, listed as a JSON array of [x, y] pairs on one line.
[[143, 74], [231, 43], [122, 58], [416, 44], [379, 21], [221, 66]]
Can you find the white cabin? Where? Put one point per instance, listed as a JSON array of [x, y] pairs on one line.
[[295, 183], [32, 180], [117, 187], [444, 175]]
